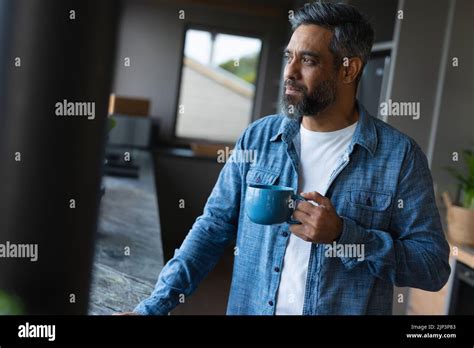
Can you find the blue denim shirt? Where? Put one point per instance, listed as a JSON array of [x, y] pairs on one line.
[[382, 189]]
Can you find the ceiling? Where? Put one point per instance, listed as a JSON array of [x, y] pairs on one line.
[[264, 8]]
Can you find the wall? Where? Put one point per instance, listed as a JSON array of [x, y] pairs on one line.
[[455, 128], [417, 64], [152, 35], [381, 14]]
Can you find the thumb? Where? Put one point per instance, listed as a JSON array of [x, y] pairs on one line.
[[317, 197]]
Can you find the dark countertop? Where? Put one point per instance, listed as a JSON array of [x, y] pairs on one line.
[[128, 255]]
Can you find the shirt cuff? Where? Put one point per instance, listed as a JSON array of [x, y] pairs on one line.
[[352, 234], [150, 307]]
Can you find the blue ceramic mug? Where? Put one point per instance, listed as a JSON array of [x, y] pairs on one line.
[[271, 204]]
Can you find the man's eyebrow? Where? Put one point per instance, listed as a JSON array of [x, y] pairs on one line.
[[304, 53]]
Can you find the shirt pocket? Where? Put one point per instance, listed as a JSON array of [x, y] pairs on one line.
[[370, 209], [261, 176]]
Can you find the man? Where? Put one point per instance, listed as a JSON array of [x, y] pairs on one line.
[[370, 221]]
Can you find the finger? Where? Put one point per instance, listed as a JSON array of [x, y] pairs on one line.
[[302, 217], [299, 231], [305, 207], [317, 197]]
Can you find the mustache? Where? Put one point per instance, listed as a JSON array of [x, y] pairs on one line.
[[294, 85]]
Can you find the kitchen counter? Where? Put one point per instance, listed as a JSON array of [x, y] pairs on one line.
[[129, 255]]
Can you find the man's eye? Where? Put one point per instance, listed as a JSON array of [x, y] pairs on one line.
[[308, 60]]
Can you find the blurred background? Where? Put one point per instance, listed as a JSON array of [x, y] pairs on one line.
[[107, 200]]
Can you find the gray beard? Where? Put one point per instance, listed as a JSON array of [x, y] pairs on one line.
[[309, 105]]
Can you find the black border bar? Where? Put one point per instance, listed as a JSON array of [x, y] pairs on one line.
[[136, 330]]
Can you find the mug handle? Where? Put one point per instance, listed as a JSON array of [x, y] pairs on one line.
[[295, 198]]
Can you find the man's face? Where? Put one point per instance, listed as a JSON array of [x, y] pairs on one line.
[[310, 75]]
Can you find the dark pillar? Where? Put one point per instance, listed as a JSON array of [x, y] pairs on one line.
[[61, 156]]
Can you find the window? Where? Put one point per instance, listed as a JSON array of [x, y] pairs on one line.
[[218, 78]]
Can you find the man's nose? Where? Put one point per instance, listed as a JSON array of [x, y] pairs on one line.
[[292, 70]]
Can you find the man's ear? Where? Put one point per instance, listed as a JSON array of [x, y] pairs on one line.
[[350, 69]]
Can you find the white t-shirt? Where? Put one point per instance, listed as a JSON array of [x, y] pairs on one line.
[[319, 155]]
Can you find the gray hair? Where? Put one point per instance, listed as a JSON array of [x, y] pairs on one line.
[[353, 34]]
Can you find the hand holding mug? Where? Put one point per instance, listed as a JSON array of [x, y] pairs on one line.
[[319, 224]]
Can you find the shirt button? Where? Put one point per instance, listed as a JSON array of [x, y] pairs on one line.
[[277, 269], [285, 234], [270, 303]]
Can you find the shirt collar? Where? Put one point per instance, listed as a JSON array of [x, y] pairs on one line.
[[365, 133]]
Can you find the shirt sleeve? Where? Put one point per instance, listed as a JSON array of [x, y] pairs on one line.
[[205, 243], [415, 252]]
